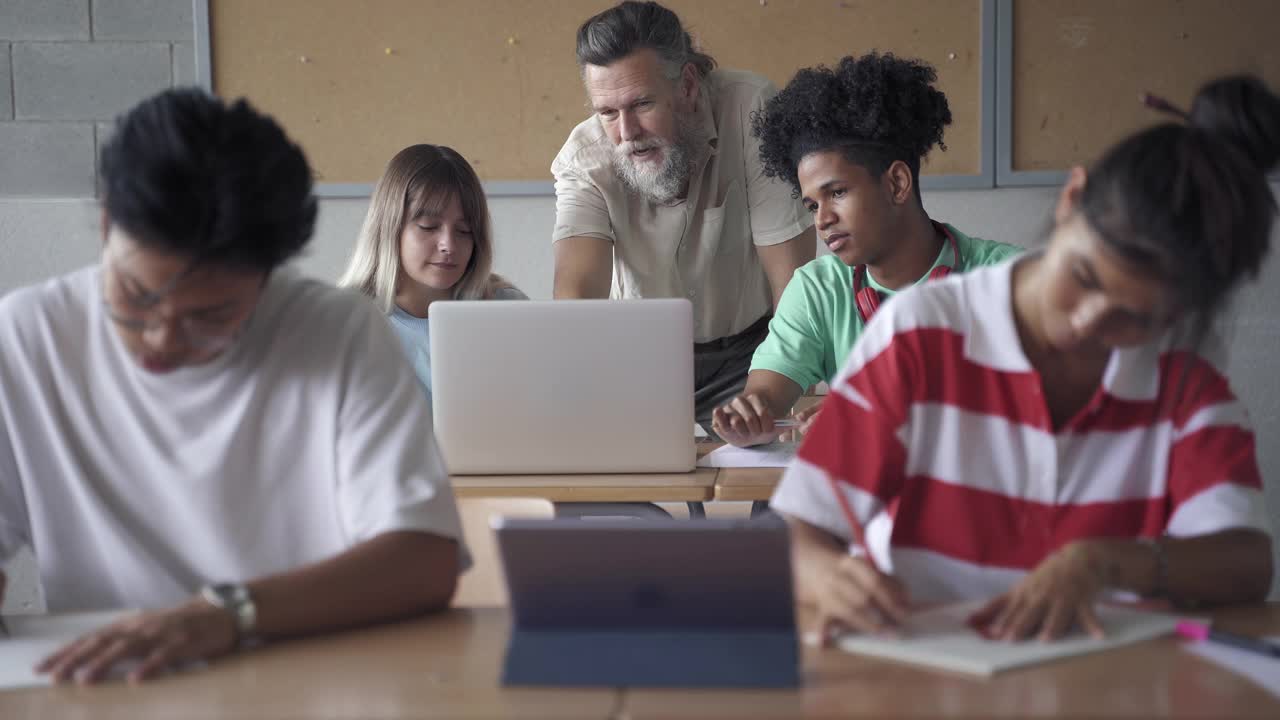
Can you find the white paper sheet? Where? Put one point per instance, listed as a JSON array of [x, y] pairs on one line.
[[34, 637], [941, 638], [1261, 669], [772, 455]]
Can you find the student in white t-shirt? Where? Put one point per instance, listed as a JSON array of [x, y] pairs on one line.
[[425, 238], [189, 429]]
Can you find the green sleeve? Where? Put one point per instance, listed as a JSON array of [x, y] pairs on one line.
[[795, 347]]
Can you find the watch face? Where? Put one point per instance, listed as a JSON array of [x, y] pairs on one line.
[[235, 599]]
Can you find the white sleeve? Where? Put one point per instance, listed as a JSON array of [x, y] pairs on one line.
[[390, 473], [15, 525]]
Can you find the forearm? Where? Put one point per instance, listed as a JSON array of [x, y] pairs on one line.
[[814, 555], [391, 576], [1228, 567], [778, 391], [583, 268]]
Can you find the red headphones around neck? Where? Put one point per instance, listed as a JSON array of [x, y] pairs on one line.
[[868, 299]]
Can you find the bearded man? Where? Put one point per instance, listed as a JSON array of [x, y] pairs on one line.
[[661, 192]]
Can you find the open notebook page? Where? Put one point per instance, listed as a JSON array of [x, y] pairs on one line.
[[941, 638], [34, 637]]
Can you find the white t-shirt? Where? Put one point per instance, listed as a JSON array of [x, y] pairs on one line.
[[308, 435]]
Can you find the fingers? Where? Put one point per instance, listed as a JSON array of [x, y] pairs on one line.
[[1057, 621], [985, 616], [885, 592], [1088, 618], [96, 666], [63, 664], [860, 598], [744, 420], [754, 417], [157, 660]]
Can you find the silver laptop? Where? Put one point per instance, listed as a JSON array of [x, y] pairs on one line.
[[564, 386]]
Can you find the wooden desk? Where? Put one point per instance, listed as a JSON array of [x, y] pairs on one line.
[[1150, 679], [697, 486], [754, 484], [445, 666], [448, 667]]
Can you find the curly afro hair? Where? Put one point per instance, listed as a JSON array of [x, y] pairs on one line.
[[876, 109]]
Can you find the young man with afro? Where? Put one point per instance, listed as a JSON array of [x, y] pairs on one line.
[[850, 141]]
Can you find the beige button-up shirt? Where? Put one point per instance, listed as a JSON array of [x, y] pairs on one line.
[[699, 247]]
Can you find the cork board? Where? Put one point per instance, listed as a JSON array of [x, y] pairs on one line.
[[354, 82], [1079, 67]]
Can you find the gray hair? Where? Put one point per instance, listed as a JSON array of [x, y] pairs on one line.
[[630, 26]]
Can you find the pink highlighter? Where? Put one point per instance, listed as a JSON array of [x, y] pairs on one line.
[[1201, 632]]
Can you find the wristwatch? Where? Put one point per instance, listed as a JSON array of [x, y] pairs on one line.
[[235, 599]]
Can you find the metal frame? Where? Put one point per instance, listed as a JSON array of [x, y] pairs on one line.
[[1006, 176], [204, 48], [986, 177]]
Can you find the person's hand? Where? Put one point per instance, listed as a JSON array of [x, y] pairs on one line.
[[804, 420], [855, 596], [744, 421], [1047, 602], [154, 640]]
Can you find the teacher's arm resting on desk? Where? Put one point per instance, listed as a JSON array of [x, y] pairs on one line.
[[389, 577], [584, 268]]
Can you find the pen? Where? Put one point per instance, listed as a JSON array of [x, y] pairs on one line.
[[1198, 631], [788, 423], [854, 526]]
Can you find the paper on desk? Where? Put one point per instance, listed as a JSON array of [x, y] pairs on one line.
[[941, 638], [773, 455], [32, 638], [1263, 670]]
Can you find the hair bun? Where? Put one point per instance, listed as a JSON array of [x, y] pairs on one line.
[[1242, 110]]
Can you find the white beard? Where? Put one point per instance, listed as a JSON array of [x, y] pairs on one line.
[[667, 181]]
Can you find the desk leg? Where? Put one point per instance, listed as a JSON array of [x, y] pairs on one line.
[[606, 510], [696, 511]]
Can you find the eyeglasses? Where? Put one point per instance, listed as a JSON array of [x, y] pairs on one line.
[[138, 315]]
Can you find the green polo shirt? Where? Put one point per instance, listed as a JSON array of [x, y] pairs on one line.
[[816, 322]]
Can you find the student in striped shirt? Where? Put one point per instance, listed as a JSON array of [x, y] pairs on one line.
[[1037, 432], [849, 140]]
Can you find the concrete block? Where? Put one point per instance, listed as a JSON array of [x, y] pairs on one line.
[[6, 83], [184, 65], [144, 20], [44, 19], [46, 159], [82, 81]]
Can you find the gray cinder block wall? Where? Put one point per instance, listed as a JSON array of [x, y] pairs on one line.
[[67, 68]]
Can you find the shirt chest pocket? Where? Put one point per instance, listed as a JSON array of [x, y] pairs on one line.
[[725, 228]]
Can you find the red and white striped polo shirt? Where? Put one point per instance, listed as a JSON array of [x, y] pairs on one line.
[[937, 433]]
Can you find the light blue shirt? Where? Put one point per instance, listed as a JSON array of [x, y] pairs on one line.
[[415, 336]]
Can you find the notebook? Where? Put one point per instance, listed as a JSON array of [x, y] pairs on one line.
[[32, 638], [941, 638], [771, 455]]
